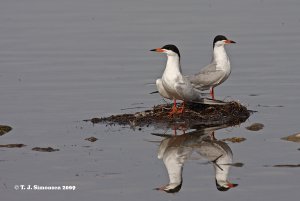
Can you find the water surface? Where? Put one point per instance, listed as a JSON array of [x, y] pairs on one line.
[[64, 61]]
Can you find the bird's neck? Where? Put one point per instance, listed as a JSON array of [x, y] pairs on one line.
[[174, 162], [175, 174], [222, 175], [222, 168], [173, 67], [221, 59]]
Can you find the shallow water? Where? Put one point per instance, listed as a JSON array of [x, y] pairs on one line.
[[65, 61]]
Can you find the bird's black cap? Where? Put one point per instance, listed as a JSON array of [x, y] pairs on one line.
[[219, 38], [222, 38], [222, 188], [174, 190], [171, 47]]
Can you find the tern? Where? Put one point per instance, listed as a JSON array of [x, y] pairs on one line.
[[176, 150], [220, 155], [217, 71], [174, 86], [174, 154]]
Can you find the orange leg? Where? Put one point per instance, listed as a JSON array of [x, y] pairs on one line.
[[175, 133], [174, 109], [212, 93], [182, 108]]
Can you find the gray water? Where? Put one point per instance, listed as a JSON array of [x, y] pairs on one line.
[[63, 61]]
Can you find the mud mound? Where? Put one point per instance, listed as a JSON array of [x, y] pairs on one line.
[[232, 113]]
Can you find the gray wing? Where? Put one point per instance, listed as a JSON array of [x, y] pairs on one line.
[[186, 91], [191, 94], [207, 77], [209, 68]]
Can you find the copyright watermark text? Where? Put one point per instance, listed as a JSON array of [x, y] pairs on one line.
[[28, 187]]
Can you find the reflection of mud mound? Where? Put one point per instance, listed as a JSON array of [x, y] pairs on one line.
[[231, 114]]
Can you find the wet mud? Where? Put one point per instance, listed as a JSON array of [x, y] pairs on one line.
[[91, 139], [293, 138], [4, 129], [44, 149], [284, 165], [233, 113], [234, 139], [12, 145], [255, 127], [259, 105]]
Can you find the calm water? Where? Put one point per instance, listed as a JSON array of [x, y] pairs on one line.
[[63, 61]]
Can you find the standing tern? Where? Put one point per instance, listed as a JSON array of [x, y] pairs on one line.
[[217, 71], [174, 86]]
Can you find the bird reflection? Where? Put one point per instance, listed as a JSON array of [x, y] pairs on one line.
[[175, 150]]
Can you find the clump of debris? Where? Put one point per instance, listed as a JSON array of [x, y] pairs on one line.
[[234, 139], [91, 139], [12, 145], [4, 129], [255, 127], [232, 113], [44, 149]]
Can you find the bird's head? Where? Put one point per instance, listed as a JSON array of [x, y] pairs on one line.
[[170, 50], [220, 40]]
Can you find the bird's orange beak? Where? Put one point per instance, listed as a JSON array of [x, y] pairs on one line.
[[231, 185], [159, 188], [229, 41], [157, 50]]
